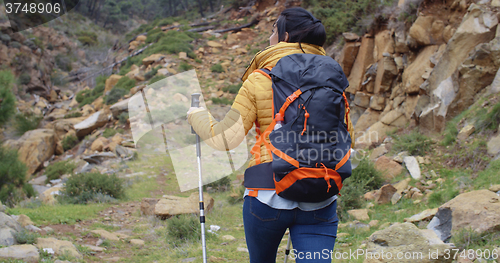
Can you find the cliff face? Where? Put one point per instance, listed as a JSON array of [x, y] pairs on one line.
[[422, 73]]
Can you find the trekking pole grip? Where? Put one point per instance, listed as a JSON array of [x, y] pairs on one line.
[[195, 102]]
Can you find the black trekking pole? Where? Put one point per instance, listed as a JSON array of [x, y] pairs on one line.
[[195, 102]]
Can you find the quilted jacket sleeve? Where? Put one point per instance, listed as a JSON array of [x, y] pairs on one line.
[[235, 125]]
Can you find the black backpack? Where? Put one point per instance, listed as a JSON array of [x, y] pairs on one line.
[[312, 148]]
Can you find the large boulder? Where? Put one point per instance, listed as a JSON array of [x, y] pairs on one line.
[[388, 167], [172, 205], [60, 247], [119, 107], [93, 122], [403, 239], [35, 147], [63, 126], [8, 226], [111, 82], [26, 253], [363, 60], [476, 210]]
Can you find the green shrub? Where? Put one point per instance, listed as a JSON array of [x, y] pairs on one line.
[[152, 73], [197, 60], [7, 98], [87, 187], [56, 170], [63, 62], [415, 143], [222, 100], [24, 78], [220, 185], [236, 196], [173, 42], [87, 41], [26, 122], [87, 38], [125, 83], [217, 68], [12, 177], [114, 95], [58, 79], [26, 237], [363, 179], [69, 142], [75, 114], [233, 89], [108, 132], [184, 66], [15, 44], [123, 117], [184, 227]]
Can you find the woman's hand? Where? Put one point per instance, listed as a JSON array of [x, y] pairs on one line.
[[192, 109]]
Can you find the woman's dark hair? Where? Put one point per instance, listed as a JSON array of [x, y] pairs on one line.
[[302, 27]]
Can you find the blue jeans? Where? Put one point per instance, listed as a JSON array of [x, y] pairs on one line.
[[313, 233]]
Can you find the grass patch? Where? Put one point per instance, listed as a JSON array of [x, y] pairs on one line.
[[93, 187], [488, 177], [108, 132], [233, 89], [183, 66], [184, 227], [466, 239], [75, 114], [56, 170], [217, 68], [488, 119], [87, 38], [59, 214], [415, 143], [222, 100]]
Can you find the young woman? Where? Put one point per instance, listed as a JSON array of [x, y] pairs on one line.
[[266, 216]]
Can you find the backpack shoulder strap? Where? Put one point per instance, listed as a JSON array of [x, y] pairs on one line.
[[265, 71]]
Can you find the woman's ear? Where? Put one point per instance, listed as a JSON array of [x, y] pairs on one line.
[[286, 37]]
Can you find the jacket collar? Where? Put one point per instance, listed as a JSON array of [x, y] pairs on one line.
[[270, 55]]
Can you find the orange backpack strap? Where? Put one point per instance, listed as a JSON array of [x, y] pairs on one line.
[[347, 110]]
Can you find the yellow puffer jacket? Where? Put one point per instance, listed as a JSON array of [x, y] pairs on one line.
[[253, 102]]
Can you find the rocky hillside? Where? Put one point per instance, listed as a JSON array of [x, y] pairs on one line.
[[432, 73]]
